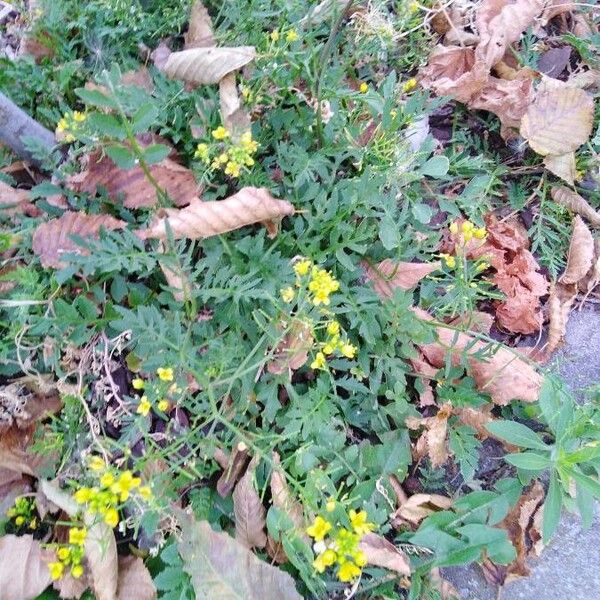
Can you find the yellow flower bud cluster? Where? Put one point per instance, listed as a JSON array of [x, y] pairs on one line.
[[23, 513], [145, 405], [338, 545], [467, 231], [69, 555], [70, 125], [229, 157], [290, 36]]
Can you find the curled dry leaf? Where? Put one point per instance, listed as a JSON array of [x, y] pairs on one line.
[[200, 28], [560, 118], [24, 571], [292, 352], [233, 116], [581, 253], [204, 219], [53, 239], [175, 180], [233, 471], [389, 275], [282, 497], [135, 581], [249, 511], [221, 567], [15, 201], [561, 300], [420, 506], [205, 66], [504, 375], [574, 202], [382, 553], [562, 165], [434, 438]]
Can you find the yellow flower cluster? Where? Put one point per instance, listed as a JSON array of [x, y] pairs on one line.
[[290, 36], [231, 157], [363, 88], [165, 374], [334, 342], [70, 554], [70, 125], [23, 513], [340, 545], [322, 284], [409, 86], [468, 231]]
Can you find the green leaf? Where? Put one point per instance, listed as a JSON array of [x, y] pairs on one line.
[[107, 125], [95, 98], [222, 569], [155, 153], [388, 233], [517, 434], [587, 482], [436, 167], [122, 157], [144, 117], [529, 461], [552, 508]]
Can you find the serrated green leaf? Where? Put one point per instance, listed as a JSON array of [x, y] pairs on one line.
[[517, 434], [123, 157]]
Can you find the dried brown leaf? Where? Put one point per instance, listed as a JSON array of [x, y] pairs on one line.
[[282, 497], [559, 120], [234, 470], [581, 253], [233, 116], [249, 512], [292, 352], [561, 300], [200, 28], [135, 581], [562, 165], [24, 571], [15, 201], [419, 506], [389, 275], [102, 560], [382, 553], [574, 202], [205, 66], [437, 445], [205, 219], [177, 181], [53, 239]]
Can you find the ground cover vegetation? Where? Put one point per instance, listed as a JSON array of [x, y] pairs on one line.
[[277, 307]]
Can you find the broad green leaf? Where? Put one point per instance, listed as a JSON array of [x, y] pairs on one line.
[[96, 98], [529, 461], [222, 569], [121, 156], [144, 117], [587, 482], [107, 125], [517, 434], [436, 167], [552, 507], [156, 153]]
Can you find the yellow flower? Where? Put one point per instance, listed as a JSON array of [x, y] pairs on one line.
[[163, 405], [107, 480], [77, 536], [56, 570], [328, 348], [360, 558], [319, 529], [62, 125], [467, 226], [33, 523], [449, 260], [96, 463], [468, 236], [453, 228], [137, 384], [359, 522], [69, 138], [409, 86], [482, 266], [143, 407], [291, 35], [333, 328], [324, 560], [165, 373], [125, 484], [233, 169], [64, 553], [348, 572], [480, 233], [348, 349], [83, 495], [79, 117], [145, 493], [302, 267], [220, 133], [331, 504], [77, 571], [274, 35], [19, 521], [287, 294], [111, 517], [319, 362], [364, 87], [202, 152], [247, 143]]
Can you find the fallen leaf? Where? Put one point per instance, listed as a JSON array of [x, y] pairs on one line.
[[562, 165], [233, 116], [282, 497], [160, 55], [560, 302], [70, 588], [420, 506], [135, 581], [559, 120], [292, 351], [382, 553], [53, 239], [139, 78], [554, 61], [204, 219], [12, 485], [24, 573], [389, 275], [15, 454], [249, 511], [175, 180], [520, 312], [205, 66], [222, 568], [200, 28], [581, 253], [14, 201], [434, 438], [233, 471], [574, 202]]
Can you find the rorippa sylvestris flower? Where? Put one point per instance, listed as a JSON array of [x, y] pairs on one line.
[[336, 544]]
